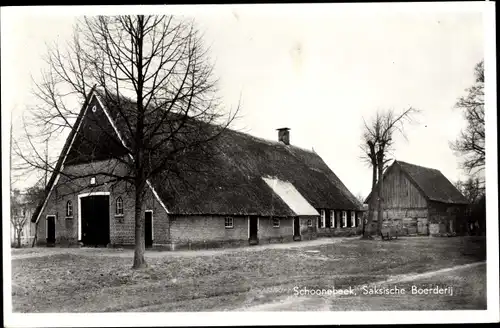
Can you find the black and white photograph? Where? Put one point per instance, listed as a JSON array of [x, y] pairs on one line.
[[176, 165]]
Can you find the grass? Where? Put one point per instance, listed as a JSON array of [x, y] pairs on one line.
[[60, 282]]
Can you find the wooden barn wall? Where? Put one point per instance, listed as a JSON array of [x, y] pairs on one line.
[[399, 192]]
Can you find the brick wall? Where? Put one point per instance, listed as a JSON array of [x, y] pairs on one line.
[[122, 228], [333, 232], [196, 229], [266, 229]]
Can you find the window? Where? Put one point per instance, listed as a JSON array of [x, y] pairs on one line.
[[69, 209], [344, 219], [323, 216], [353, 219], [332, 219], [92, 181], [309, 223], [119, 206], [276, 223], [228, 222], [24, 211]]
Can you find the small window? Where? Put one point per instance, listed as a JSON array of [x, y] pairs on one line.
[[92, 181], [69, 209], [323, 219], [353, 219], [309, 223], [344, 219], [332, 219], [276, 223], [228, 222], [24, 212], [119, 206]]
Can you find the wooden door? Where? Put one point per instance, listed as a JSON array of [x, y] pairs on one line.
[[296, 227], [148, 229], [95, 220], [254, 227], [51, 229]]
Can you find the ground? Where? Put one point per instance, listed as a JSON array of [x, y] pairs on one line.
[[253, 278]]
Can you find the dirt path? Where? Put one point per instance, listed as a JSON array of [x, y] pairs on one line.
[[295, 303], [129, 253]]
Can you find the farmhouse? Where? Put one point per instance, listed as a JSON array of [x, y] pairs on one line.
[[421, 200], [253, 191]]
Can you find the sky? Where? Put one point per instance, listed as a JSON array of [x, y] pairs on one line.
[[316, 69]]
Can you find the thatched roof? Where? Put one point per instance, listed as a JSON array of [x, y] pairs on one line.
[[433, 185], [230, 180], [234, 184]]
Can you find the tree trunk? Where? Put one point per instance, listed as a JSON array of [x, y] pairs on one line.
[[19, 231], [367, 228], [34, 238], [139, 261], [380, 198]]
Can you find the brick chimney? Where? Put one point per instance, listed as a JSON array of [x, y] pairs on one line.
[[284, 135]]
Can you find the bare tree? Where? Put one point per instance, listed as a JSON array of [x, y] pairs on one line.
[[472, 189], [156, 76], [471, 141], [360, 197], [378, 142], [370, 137], [34, 196], [18, 216]]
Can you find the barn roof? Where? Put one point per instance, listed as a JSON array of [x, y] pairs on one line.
[[433, 185], [231, 182]]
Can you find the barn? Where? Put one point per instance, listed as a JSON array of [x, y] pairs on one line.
[[254, 191], [421, 201]]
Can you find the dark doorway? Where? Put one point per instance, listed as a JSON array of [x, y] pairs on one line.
[[148, 228], [51, 229], [296, 228], [254, 230], [95, 220]]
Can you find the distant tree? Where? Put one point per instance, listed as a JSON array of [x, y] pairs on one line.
[[377, 143], [34, 196], [360, 198], [18, 216], [473, 189], [21, 207], [478, 213], [470, 144]]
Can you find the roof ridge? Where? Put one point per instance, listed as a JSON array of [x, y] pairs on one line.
[[126, 98], [424, 167], [274, 142]]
